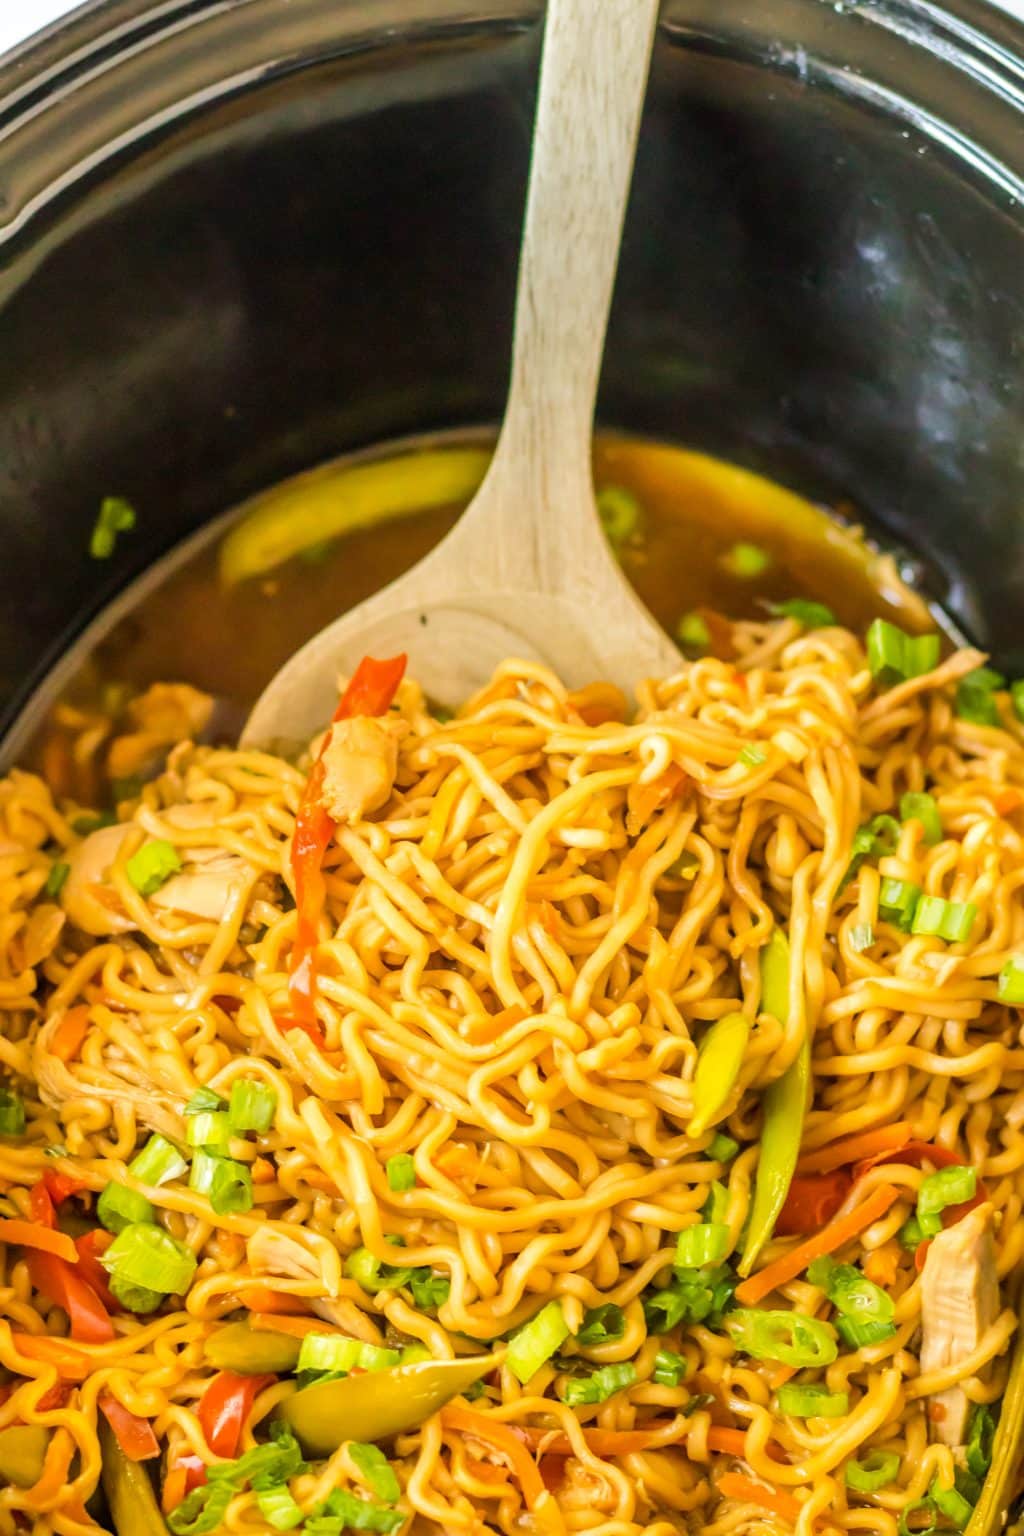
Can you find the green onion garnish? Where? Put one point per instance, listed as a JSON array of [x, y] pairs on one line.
[[862, 936], [205, 1099], [716, 1206], [115, 516], [947, 1186], [210, 1129], [158, 1163], [12, 1113], [374, 1274], [692, 632], [1011, 981], [909, 1511], [951, 1503], [975, 696], [811, 1401], [83, 826], [694, 1296], [950, 920], [401, 1172], [599, 1386], [536, 1341], [877, 837], [119, 1207], [897, 903], [910, 1235], [277, 1506], [346, 1512], [706, 1243], [253, 1106], [746, 560], [810, 614], [752, 757], [226, 1184], [921, 807], [788, 1337], [152, 866], [721, 1149], [874, 1470], [619, 512], [429, 1291], [861, 1335], [601, 1325], [135, 1298], [145, 1254], [894, 656], [981, 1433], [670, 1368], [375, 1470], [333, 1352], [55, 880], [850, 1292]]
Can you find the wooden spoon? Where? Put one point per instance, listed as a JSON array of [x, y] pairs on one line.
[[527, 571]]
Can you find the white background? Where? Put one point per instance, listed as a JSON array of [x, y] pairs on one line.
[[18, 18]]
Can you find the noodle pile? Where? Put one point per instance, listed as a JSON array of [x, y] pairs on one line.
[[521, 952]]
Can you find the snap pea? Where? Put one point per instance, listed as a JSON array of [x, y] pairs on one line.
[[379, 1404], [133, 1507], [22, 1453], [251, 1351], [719, 1059], [1000, 1484], [785, 1104]]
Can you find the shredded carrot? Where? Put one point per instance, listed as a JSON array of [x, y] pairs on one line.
[[298, 1327], [854, 1149], [263, 1171], [260, 1298], [71, 1363], [733, 1485], [66, 1040], [838, 1232], [174, 1490], [30, 1234], [493, 1432]]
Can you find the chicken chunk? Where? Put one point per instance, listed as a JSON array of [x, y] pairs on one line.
[[165, 714], [360, 761], [959, 1302]]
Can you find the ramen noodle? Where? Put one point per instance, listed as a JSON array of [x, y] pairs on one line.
[[550, 1118]]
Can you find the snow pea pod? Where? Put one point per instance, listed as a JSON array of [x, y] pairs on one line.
[[719, 1060], [252, 1351], [22, 1453], [1001, 1482], [378, 1404], [785, 1104], [133, 1507]]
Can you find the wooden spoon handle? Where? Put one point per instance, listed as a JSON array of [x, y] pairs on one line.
[[592, 85]]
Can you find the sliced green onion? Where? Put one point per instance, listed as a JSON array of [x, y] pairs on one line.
[[401, 1172], [746, 560], [947, 1186], [252, 1107], [810, 614], [83, 826], [145, 1254], [355, 1514], [203, 1510], [135, 1298], [752, 757], [619, 512], [277, 1507], [720, 1056], [152, 866], [692, 632], [1011, 981], [920, 807], [721, 1149], [788, 1337], [226, 1184], [951, 1503], [894, 656], [669, 1368], [874, 1470], [55, 879], [812, 1401], [975, 696], [333, 1352], [374, 1274], [950, 920], [12, 1113], [715, 1207], [210, 1129], [376, 1471], [119, 1207], [906, 1529], [694, 1296], [981, 1433], [158, 1163], [877, 837], [910, 1235], [203, 1100], [601, 1325], [850, 1292], [861, 1335], [429, 1291], [599, 1386], [536, 1341], [115, 516], [862, 936], [706, 1243], [897, 902]]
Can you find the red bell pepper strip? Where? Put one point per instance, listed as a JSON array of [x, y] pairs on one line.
[[370, 692], [811, 1202], [224, 1408], [60, 1282], [91, 1245], [134, 1435], [40, 1206], [61, 1186]]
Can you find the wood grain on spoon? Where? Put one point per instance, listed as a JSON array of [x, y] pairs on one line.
[[527, 571]]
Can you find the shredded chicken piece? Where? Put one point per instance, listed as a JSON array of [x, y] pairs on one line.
[[151, 1107], [165, 714], [360, 761], [86, 896], [959, 1303], [207, 891]]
